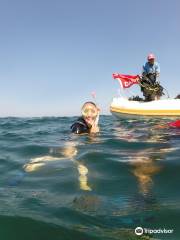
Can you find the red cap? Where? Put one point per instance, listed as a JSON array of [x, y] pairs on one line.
[[151, 56]]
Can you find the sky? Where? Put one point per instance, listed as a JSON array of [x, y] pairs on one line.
[[54, 53]]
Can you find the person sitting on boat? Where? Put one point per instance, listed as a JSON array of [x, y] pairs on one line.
[[149, 85], [88, 122]]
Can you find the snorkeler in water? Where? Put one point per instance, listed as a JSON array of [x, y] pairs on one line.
[[88, 122]]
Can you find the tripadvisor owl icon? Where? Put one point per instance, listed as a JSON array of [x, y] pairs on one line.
[[139, 231]]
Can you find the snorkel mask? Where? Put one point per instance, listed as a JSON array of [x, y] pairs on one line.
[[89, 109]]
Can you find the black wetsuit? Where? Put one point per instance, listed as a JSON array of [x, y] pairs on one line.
[[80, 126], [150, 88]]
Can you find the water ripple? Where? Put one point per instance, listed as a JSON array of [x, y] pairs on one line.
[[55, 185]]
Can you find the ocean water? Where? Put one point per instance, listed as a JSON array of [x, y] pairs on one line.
[[58, 186]]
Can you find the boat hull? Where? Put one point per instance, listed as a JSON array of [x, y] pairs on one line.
[[121, 107]]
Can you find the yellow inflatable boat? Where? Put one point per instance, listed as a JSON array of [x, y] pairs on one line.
[[121, 106]]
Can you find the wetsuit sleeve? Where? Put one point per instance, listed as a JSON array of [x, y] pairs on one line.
[[79, 128]]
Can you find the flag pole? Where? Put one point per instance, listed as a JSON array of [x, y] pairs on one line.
[[122, 93]]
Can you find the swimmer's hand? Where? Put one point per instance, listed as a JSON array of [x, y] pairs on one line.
[[97, 120], [94, 129]]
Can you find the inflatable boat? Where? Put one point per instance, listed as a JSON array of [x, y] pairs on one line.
[[122, 107]]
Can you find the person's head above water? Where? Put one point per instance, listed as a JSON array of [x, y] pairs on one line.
[[89, 112], [88, 122]]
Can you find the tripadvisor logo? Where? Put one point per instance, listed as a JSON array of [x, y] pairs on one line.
[[139, 231]]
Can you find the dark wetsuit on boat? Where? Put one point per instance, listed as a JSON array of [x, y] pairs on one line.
[[150, 87], [80, 126]]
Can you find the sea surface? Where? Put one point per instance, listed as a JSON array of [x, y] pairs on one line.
[[58, 186]]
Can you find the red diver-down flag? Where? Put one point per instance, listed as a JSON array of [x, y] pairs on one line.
[[126, 80]]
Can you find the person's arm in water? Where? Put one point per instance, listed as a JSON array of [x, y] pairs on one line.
[[95, 128]]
